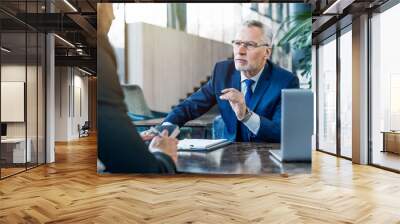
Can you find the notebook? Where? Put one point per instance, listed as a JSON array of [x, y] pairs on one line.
[[201, 144]]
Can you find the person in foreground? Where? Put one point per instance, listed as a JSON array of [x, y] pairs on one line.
[[120, 148], [246, 89]]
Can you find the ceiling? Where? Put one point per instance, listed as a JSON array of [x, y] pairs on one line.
[[76, 22], [331, 15], [21, 22]]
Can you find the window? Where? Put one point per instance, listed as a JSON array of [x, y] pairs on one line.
[[327, 96], [117, 40], [346, 94], [385, 89], [213, 21], [152, 13]]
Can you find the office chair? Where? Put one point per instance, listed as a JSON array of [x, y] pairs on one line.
[[138, 109], [218, 128], [84, 130]]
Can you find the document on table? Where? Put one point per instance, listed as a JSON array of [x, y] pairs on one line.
[[201, 144]]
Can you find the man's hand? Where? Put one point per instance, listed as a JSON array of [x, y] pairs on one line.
[[236, 100], [146, 135], [166, 145]]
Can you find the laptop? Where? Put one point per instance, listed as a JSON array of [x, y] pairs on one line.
[[296, 126]]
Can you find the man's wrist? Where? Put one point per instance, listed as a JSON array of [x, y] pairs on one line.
[[247, 115]]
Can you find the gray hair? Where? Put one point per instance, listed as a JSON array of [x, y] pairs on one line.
[[266, 31]]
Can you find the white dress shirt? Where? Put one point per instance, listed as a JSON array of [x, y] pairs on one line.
[[253, 123]]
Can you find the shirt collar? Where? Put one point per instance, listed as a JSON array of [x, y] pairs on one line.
[[254, 78]]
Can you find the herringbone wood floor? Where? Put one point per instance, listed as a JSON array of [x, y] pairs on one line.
[[70, 191]]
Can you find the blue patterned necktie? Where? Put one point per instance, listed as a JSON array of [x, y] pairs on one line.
[[243, 133], [249, 91]]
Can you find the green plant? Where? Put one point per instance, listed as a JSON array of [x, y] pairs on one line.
[[295, 32], [177, 16]]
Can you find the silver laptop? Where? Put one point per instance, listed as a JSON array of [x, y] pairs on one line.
[[296, 126]]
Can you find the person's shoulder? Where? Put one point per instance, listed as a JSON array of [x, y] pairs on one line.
[[283, 77], [223, 68], [225, 63], [281, 72]]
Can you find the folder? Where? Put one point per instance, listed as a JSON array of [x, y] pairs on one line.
[[201, 144]]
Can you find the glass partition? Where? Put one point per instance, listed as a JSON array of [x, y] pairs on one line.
[[327, 96], [13, 105], [41, 96], [22, 87]]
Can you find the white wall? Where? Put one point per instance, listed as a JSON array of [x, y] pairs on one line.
[[61, 103], [80, 109], [33, 126], [14, 73], [168, 64], [17, 73], [71, 102]]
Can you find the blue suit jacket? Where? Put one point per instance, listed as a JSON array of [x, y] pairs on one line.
[[266, 100]]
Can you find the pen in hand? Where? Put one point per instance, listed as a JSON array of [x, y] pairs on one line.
[[148, 135]]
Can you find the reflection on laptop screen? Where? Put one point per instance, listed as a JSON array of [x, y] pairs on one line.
[[3, 129]]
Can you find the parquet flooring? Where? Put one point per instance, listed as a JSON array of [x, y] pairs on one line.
[[70, 191], [10, 171]]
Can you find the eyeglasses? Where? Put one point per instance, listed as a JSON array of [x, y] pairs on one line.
[[249, 45]]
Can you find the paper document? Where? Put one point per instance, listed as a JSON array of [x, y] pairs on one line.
[[201, 144]]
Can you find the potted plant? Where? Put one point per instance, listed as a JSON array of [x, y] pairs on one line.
[[295, 33]]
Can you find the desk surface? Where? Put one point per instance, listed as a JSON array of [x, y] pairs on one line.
[[238, 158], [391, 132], [13, 140], [204, 121]]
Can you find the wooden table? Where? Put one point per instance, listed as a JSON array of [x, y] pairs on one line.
[[391, 141], [238, 158]]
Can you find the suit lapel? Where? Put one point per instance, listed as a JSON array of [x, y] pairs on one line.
[[262, 85], [235, 84], [236, 80]]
